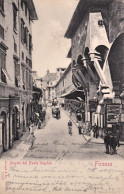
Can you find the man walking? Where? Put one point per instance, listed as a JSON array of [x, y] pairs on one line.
[[106, 141], [95, 131], [118, 134]]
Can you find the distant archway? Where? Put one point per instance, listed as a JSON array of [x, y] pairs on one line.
[[79, 60], [102, 50], [73, 63], [4, 130], [81, 64], [86, 53]]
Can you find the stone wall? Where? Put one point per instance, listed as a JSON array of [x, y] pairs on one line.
[[116, 19]]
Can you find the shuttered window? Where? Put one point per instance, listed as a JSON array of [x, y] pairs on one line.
[[17, 73], [14, 16], [22, 31], [1, 32], [2, 66], [2, 5]]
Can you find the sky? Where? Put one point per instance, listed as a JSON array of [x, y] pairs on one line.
[[50, 48]]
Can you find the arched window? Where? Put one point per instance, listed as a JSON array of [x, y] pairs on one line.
[[102, 53]]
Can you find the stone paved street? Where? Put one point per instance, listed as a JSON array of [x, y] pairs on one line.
[[54, 142], [60, 163]]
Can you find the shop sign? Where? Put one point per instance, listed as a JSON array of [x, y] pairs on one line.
[[113, 113], [93, 106]]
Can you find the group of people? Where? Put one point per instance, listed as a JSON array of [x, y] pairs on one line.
[[80, 128], [111, 138]]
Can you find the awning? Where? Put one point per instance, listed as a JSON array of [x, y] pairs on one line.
[[75, 94], [67, 93]]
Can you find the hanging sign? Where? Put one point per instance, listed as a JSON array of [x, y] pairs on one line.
[[113, 112]]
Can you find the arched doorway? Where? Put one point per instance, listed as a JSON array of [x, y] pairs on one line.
[[15, 123], [23, 116], [116, 64], [4, 130], [27, 115]]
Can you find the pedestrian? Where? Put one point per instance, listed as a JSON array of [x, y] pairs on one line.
[[118, 134], [79, 128], [70, 127], [32, 138], [106, 141], [95, 131], [31, 126], [113, 140], [39, 123], [78, 116]]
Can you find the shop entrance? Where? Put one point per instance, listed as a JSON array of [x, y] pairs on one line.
[[4, 128], [15, 123]]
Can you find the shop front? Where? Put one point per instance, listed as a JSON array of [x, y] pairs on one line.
[[15, 124]]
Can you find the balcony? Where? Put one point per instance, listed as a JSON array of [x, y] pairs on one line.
[[6, 90]]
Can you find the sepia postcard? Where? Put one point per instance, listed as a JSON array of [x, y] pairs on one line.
[[61, 96]]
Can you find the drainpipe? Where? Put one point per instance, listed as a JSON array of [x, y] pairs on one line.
[[10, 124]]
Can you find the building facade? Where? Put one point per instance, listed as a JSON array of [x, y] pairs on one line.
[[49, 82], [64, 84], [16, 18], [97, 51]]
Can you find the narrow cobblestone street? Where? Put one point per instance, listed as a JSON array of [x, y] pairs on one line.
[[60, 163], [54, 142]]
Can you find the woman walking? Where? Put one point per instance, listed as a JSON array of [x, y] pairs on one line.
[[32, 138]]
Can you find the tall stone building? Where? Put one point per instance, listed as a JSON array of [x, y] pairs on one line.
[[16, 18], [97, 52]]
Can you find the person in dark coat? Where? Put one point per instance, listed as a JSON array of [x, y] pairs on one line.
[[95, 131], [79, 128], [113, 140], [106, 141], [78, 116], [118, 134], [57, 113]]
